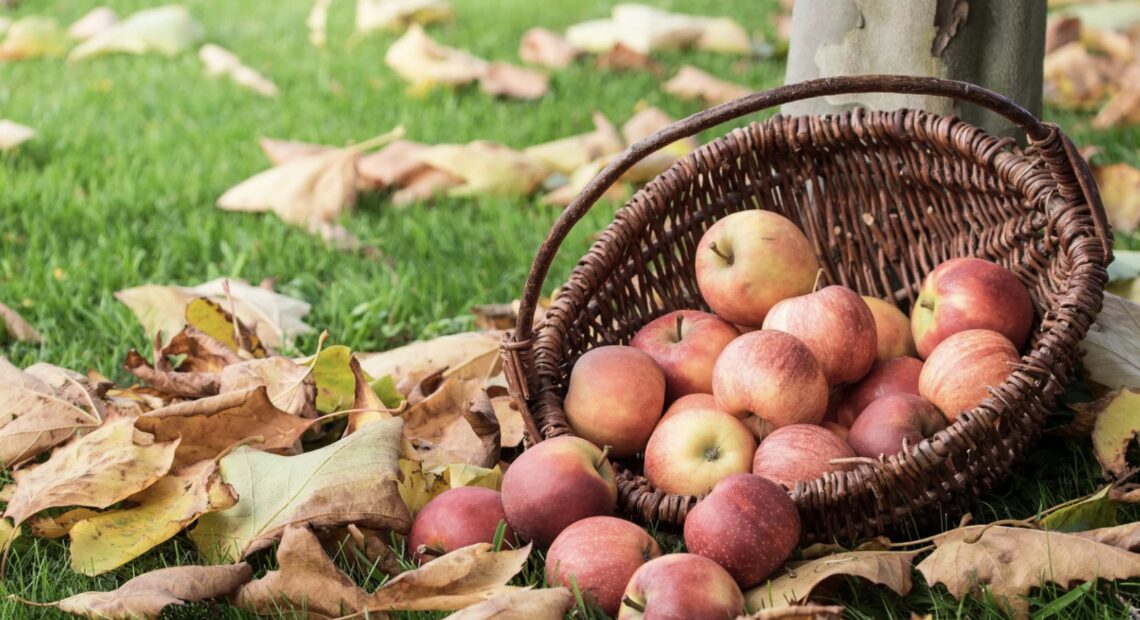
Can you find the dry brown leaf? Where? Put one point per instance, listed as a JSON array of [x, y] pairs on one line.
[[198, 352], [396, 15], [1074, 78], [281, 151], [34, 416], [623, 58], [394, 165], [506, 80], [220, 61], [14, 134], [95, 21], [798, 579], [538, 604], [464, 577], [183, 384], [168, 30], [1125, 536], [1124, 106], [44, 526], [288, 384], [366, 404], [649, 121], [486, 168], [306, 579], [1108, 42], [723, 35], [1115, 430], [540, 46], [145, 596], [798, 612], [1061, 30], [368, 549], [455, 423], [1081, 425], [97, 470], [568, 154], [424, 63], [1012, 561], [1112, 345], [33, 36], [692, 83], [350, 481], [579, 179], [512, 427], [424, 185], [413, 362]]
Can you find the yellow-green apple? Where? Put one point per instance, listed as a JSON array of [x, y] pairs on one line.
[[898, 375], [600, 554], [456, 518], [685, 344], [970, 293], [773, 375], [836, 325], [555, 483], [747, 524], [749, 260], [891, 422], [681, 586], [615, 398], [800, 452], [892, 328], [694, 449], [960, 371], [690, 401]]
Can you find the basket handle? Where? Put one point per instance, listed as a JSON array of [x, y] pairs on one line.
[[964, 91]]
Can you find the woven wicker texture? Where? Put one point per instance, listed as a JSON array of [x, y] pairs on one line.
[[884, 198]]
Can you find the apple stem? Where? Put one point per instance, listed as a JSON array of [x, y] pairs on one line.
[[926, 303], [727, 257], [632, 604], [818, 279], [680, 319], [602, 458], [434, 552]]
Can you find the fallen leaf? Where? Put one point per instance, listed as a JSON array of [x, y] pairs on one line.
[[168, 30], [808, 611], [220, 61], [394, 165], [621, 57], [567, 154], [1125, 536], [1116, 429], [649, 121], [44, 526], [1075, 79], [33, 36], [1012, 561], [1108, 42], [1112, 345], [648, 29], [350, 481], [8, 533], [35, 417], [425, 184], [723, 35], [197, 351], [367, 405], [109, 540], [1082, 423], [464, 577], [396, 15], [210, 318], [537, 604], [506, 80], [418, 487], [14, 134], [1061, 30], [92, 23], [332, 375], [578, 181], [96, 470], [449, 426], [486, 168], [540, 46], [596, 35], [692, 83], [1124, 105], [512, 427], [5, 24], [210, 426], [183, 384], [462, 475], [145, 596], [1096, 511], [413, 362], [317, 23], [424, 63], [281, 151], [287, 383], [368, 549], [795, 584], [306, 580]]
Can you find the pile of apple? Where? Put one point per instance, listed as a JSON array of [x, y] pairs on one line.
[[781, 384]]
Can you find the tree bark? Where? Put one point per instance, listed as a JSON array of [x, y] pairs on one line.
[[998, 44]]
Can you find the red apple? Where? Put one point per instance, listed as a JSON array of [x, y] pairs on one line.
[[748, 524], [601, 554], [690, 401], [685, 344], [694, 449], [773, 375], [892, 329], [961, 369], [889, 422], [615, 398], [749, 260], [970, 293], [555, 483], [456, 518], [836, 325], [898, 375], [681, 586], [800, 452]]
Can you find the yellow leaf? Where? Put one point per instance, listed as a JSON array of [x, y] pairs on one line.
[[220, 61], [486, 168], [92, 23], [418, 487], [799, 579], [367, 405], [464, 577], [332, 375], [168, 30], [1116, 429], [211, 319], [462, 475], [396, 15], [649, 121], [14, 134], [33, 37], [567, 154], [111, 539], [101, 468], [43, 526], [692, 83], [1120, 190], [350, 481], [524, 604], [421, 61]]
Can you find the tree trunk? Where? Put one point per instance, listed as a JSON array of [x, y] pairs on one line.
[[998, 44]]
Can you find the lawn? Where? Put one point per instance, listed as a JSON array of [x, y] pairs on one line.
[[119, 191]]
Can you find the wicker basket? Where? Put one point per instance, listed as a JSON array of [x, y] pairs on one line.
[[884, 197]]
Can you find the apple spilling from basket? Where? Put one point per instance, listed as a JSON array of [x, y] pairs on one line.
[[781, 384]]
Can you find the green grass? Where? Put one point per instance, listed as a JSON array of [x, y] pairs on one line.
[[119, 188]]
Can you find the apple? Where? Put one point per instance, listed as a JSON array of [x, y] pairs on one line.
[[694, 449], [836, 325], [970, 293], [749, 260], [892, 329], [555, 483], [685, 344], [456, 518], [840, 431], [760, 427], [898, 375], [690, 401], [681, 586], [601, 554], [747, 524], [961, 369], [615, 398], [773, 375], [800, 452], [892, 421]]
